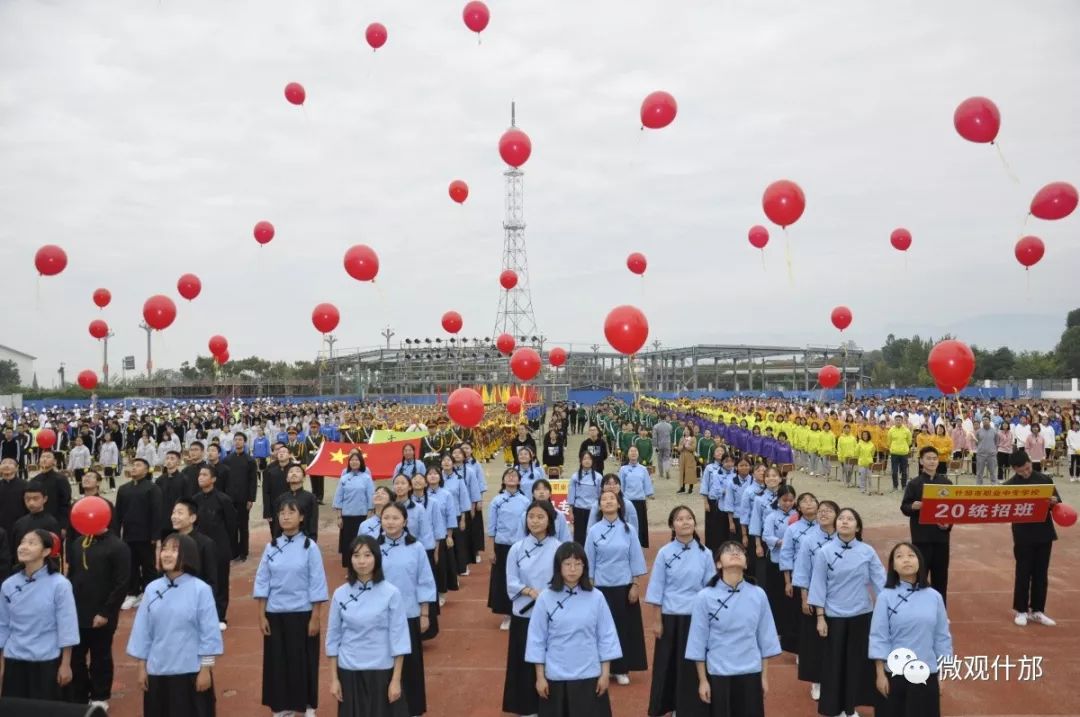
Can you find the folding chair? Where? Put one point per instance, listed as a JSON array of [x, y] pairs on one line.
[[956, 469], [877, 470]]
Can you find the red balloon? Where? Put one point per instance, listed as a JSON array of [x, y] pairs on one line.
[[87, 379], [829, 376], [376, 35], [658, 110], [900, 239], [218, 344], [451, 322], [525, 363], [636, 263], [54, 551], [508, 279], [557, 356], [951, 363], [1056, 200], [99, 329], [841, 317], [222, 358], [159, 312], [513, 406], [505, 343], [46, 438], [189, 286], [1029, 250], [294, 93], [1064, 515], [783, 202], [264, 232], [102, 297], [515, 147], [476, 16], [626, 329], [459, 191], [977, 120], [50, 260], [362, 263], [465, 407], [759, 236], [91, 515], [325, 317]]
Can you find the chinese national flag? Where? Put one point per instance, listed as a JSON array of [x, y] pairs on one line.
[[381, 458]]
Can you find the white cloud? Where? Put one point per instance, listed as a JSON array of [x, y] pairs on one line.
[[147, 139]]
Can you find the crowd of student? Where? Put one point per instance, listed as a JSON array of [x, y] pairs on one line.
[[774, 572]]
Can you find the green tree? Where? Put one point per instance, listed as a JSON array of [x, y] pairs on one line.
[[9, 376], [1068, 350], [1073, 319]]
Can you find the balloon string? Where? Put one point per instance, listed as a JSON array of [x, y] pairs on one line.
[[1005, 164], [787, 257], [763, 260]]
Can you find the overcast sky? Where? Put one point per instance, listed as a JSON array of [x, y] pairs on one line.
[[147, 139]]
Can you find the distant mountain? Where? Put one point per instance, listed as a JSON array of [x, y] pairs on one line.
[[1020, 332]]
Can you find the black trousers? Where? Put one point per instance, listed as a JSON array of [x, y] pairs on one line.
[[143, 569], [241, 539], [317, 483], [92, 682], [1032, 566], [936, 559], [221, 594], [1074, 465], [1003, 466]]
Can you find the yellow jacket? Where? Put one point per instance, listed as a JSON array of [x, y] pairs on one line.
[[846, 446], [865, 453], [944, 446], [899, 440], [826, 443]]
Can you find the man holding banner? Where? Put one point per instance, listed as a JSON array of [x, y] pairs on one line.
[[1031, 547], [931, 540]]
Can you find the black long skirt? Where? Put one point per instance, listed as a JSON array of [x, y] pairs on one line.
[[783, 608], [674, 678], [433, 608], [581, 525], [176, 696], [498, 600], [736, 696], [712, 526], [290, 679], [364, 694], [413, 686], [760, 567], [848, 676], [811, 645], [446, 577], [34, 680], [642, 509], [628, 625], [461, 550], [911, 700], [575, 698], [350, 526], [519, 687], [474, 526]]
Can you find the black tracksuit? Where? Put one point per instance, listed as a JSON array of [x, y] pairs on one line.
[[172, 486], [274, 486], [217, 521], [931, 540], [242, 488], [1031, 549], [138, 513]]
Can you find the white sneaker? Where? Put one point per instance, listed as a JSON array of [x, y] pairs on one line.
[[505, 624], [129, 602], [442, 600], [622, 679], [1043, 619], [223, 626], [94, 704], [466, 573], [815, 691], [1021, 619], [309, 712], [479, 559]]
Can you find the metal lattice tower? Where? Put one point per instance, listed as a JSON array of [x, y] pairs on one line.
[[515, 315]]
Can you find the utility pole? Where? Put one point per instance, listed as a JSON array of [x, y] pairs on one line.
[[105, 356], [149, 357], [331, 340], [387, 333], [61, 372], [596, 359]]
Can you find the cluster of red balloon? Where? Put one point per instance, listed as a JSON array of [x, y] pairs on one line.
[[219, 349]]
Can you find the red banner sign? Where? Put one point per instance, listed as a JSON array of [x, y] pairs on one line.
[[948, 504]]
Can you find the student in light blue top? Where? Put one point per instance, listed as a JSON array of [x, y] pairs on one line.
[[406, 566], [527, 470], [681, 570], [506, 524], [784, 609], [352, 502], [290, 587], [806, 506], [843, 570], [382, 497], [714, 483], [611, 484], [616, 561], [732, 499], [582, 493], [541, 490], [175, 637], [529, 568], [811, 644], [477, 484], [38, 622], [409, 464], [443, 515], [761, 505], [637, 488], [732, 635], [454, 484], [367, 637], [909, 616], [751, 492], [419, 523], [572, 641]]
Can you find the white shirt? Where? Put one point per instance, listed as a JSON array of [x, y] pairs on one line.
[[1072, 440], [1020, 434]]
